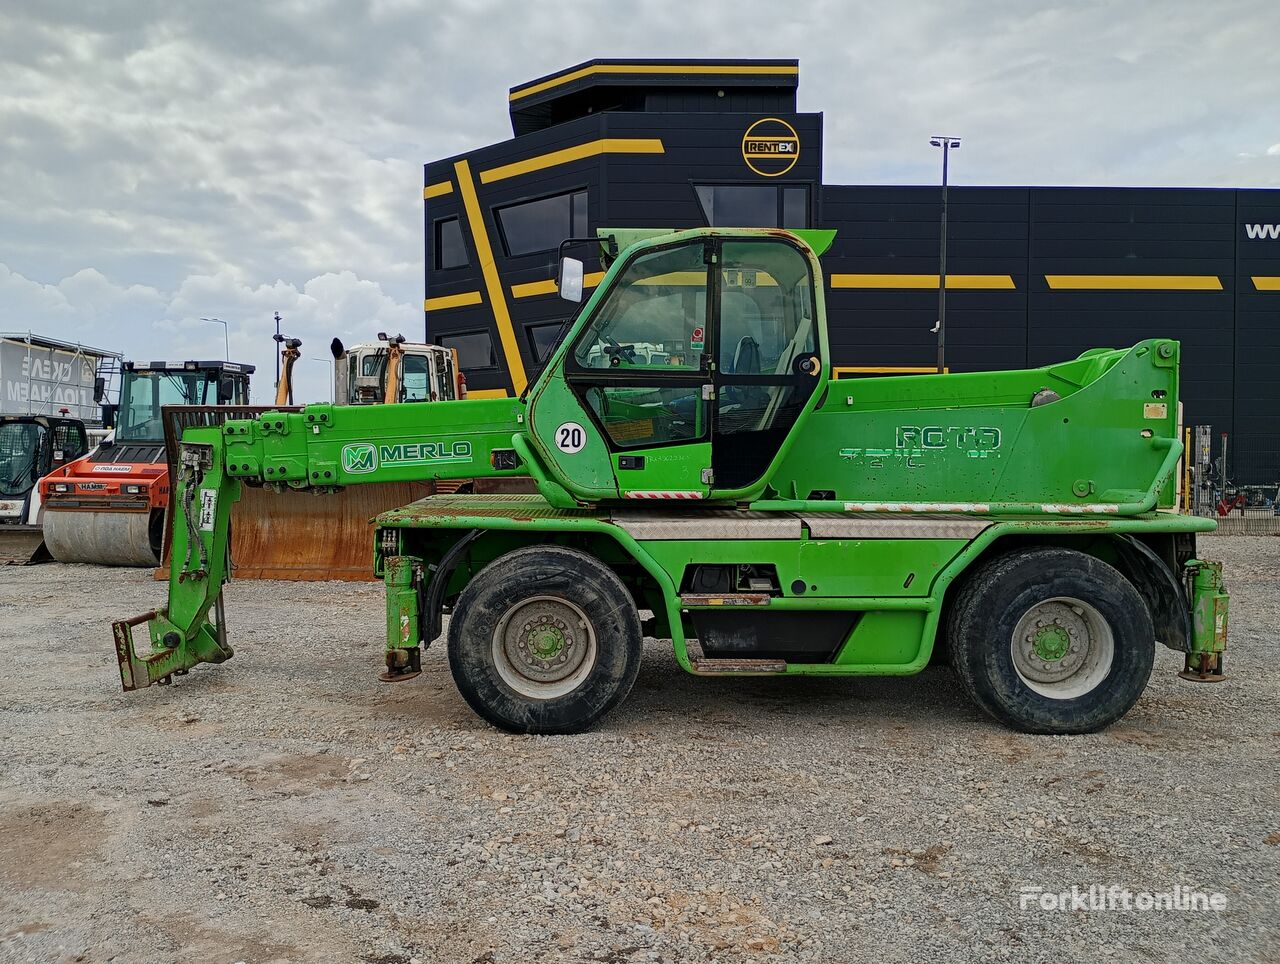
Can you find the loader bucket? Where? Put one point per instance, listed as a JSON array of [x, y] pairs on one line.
[[21, 545]]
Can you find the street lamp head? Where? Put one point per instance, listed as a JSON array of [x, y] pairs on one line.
[[944, 140]]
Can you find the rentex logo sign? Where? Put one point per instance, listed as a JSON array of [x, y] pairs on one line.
[[1263, 232]]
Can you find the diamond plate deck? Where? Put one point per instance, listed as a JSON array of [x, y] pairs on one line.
[[708, 524], [873, 525]]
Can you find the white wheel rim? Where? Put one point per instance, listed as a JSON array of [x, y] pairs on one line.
[[544, 647], [1062, 648]]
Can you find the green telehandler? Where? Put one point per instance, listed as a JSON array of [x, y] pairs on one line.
[[701, 478]]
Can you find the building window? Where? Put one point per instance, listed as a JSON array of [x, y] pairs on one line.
[[795, 207], [450, 250], [475, 349], [531, 227], [544, 338], [754, 205]]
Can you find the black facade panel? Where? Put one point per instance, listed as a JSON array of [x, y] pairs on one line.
[[1193, 239]]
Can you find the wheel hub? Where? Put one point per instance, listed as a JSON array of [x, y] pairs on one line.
[[543, 641], [1051, 643]]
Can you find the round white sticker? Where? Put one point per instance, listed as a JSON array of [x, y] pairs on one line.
[[571, 438]]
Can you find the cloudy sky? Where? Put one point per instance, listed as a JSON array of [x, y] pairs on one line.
[[162, 161]]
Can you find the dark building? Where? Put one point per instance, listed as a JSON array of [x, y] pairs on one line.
[[1035, 274]]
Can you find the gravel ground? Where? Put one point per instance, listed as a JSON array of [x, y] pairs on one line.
[[288, 807]]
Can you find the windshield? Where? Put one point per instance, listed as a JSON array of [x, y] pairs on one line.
[[19, 457], [655, 316], [143, 394]]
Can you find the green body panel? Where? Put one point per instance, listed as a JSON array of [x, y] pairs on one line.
[[895, 637], [327, 445], [1065, 453], [1109, 441], [831, 568]]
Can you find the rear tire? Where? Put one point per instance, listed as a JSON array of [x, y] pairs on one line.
[[1050, 640], [544, 640]]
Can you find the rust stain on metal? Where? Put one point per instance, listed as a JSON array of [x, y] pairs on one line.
[[726, 599], [307, 538], [717, 666]]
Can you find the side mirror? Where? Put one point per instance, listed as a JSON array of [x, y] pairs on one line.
[[99, 389], [226, 389], [569, 279]]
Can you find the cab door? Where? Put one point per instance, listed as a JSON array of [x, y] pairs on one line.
[[768, 363], [641, 371]]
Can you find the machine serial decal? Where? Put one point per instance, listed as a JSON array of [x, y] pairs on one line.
[[360, 458], [208, 509]]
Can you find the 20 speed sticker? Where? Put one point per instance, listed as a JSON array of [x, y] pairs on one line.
[[571, 438]]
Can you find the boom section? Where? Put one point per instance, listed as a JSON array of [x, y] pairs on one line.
[[322, 448], [326, 445]]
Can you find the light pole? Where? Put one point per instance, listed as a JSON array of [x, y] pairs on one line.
[[226, 339], [947, 143]]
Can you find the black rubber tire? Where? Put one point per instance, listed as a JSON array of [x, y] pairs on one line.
[[545, 570], [998, 593]]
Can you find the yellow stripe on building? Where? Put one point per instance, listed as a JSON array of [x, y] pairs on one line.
[[887, 370], [999, 282], [489, 270], [606, 145], [452, 301], [1133, 282], [437, 190], [1263, 283], [531, 288], [727, 69]]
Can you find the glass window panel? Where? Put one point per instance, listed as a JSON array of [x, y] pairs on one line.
[[654, 318], [475, 349], [20, 444], [534, 226], [640, 417], [795, 207], [145, 392], [543, 339], [451, 251], [415, 379], [766, 308], [739, 205]]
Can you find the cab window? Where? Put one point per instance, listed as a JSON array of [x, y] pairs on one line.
[[655, 318]]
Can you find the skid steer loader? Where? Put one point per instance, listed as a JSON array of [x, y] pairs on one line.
[[31, 446]]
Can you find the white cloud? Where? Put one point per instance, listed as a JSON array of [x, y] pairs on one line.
[[230, 159], [147, 324]]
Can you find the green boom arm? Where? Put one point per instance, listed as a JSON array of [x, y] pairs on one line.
[[323, 448]]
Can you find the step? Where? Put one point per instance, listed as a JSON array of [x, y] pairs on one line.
[[729, 667], [714, 600]]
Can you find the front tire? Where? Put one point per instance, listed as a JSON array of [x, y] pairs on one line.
[[544, 640], [1050, 640]]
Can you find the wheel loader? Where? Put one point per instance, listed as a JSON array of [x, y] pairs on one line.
[[702, 479]]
